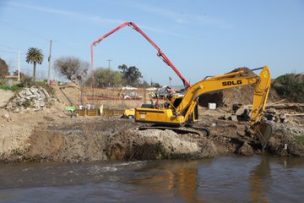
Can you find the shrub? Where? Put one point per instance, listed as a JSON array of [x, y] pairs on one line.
[[12, 88], [290, 86]]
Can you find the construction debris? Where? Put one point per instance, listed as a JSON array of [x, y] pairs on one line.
[[278, 113], [33, 98]]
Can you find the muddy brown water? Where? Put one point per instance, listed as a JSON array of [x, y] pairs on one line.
[[221, 179]]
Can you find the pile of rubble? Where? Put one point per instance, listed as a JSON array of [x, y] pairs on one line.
[[33, 98], [272, 113], [239, 112]]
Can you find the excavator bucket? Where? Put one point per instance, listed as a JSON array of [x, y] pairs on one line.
[[263, 132]]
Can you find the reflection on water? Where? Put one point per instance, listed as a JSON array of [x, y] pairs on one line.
[[259, 173], [223, 179], [180, 178]]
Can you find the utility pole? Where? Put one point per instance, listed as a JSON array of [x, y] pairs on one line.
[[18, 65], [109, 63], [49, 60]]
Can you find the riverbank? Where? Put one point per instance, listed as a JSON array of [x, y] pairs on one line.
[[48, 134], [56, 137]]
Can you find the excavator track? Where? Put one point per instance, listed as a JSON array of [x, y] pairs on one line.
[[182, 130]]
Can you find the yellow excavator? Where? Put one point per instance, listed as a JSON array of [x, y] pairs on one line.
[[182, 110]]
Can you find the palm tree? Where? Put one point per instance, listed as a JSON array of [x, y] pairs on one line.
[[34, 56]]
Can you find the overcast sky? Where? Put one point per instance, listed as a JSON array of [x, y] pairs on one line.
[[201, 37]]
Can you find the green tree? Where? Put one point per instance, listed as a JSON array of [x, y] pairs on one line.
[[155, 84], [130, 75], [145, 84], [34, 56], [3, 68], [108, 78]]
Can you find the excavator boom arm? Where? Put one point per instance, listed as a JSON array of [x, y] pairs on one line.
[[183, 111], [260, 96], [160, 53], [226, 81]]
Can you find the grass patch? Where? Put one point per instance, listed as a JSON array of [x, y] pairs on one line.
[[12, 88], [299, 139], [27, 82]]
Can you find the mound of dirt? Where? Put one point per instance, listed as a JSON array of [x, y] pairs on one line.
[[286, 141], [159, 144], [112, 140], [239, 95], [6, 95], [289, 87], [74, 140]]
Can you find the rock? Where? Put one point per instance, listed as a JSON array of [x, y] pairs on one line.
[[45, 93], [234, 118], [243, 113], [225, 117], [7, 117], [16, 110], [235, 107], [246, 150], [241, 130], [240, 111], [282, 118], [26, 92]]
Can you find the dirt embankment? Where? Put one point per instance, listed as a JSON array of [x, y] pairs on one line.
[[79, 139], [103, 139], [49, 134]]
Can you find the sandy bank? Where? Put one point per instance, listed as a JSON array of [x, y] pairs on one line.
[[80, 139]]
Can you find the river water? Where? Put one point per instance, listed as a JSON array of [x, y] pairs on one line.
[[222, 179]]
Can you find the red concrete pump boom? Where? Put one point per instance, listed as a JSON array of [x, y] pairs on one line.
[[160, 53]]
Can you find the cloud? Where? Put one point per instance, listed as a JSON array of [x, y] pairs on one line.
[[182, 18], [162, 31], [91, 18], [66, 13]]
